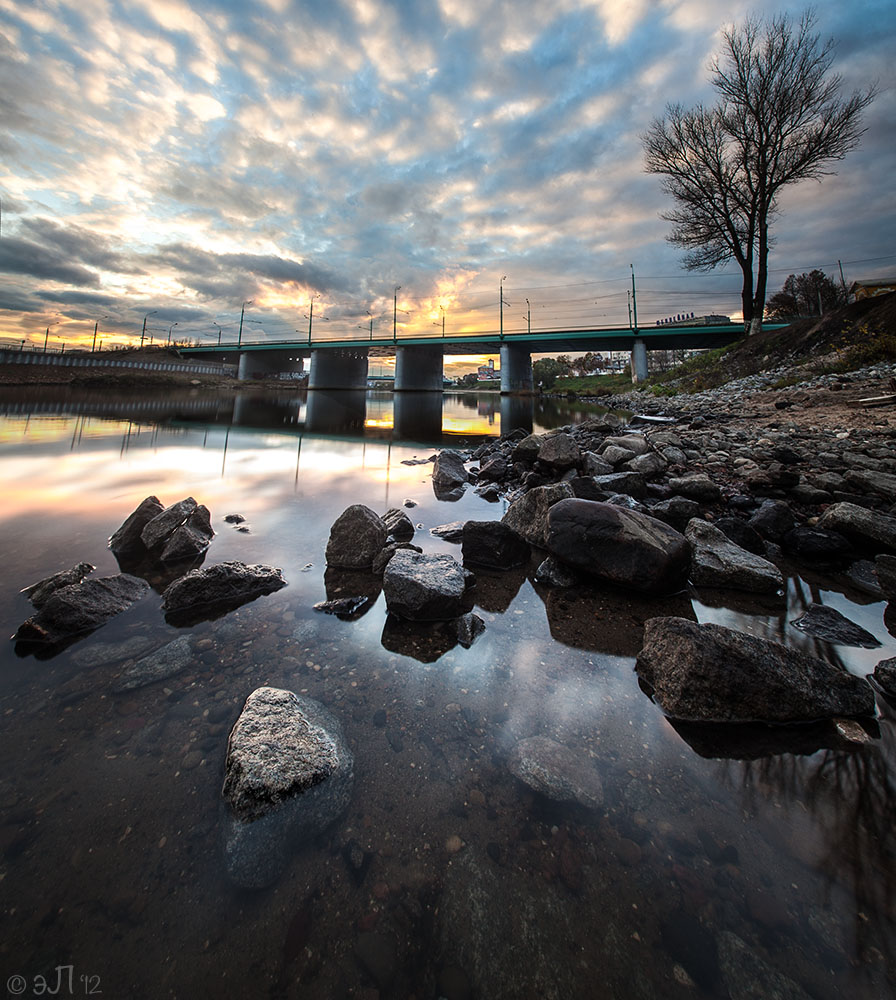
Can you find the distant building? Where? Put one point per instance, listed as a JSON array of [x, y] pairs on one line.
[[871, 289], [485, 372]]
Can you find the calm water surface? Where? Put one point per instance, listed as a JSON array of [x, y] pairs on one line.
[[754, 867]]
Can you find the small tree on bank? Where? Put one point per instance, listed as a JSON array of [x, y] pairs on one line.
[[780, 119]]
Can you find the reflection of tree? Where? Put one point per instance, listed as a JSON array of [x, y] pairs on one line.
[[851, 797]]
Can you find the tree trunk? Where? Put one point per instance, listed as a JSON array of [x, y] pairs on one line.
[[746, 294], [761, 277]]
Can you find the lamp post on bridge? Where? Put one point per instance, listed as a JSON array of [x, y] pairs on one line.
[[502, 304], [145, 318], [395, 313], [95, 328], [528, 317], [239, 339], [634, 300], [170, 328]]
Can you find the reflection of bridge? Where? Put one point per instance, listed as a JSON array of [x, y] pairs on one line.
[[342, 364]]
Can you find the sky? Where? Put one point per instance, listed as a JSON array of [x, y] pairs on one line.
[[170, 166]]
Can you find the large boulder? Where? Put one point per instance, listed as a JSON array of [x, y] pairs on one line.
[[208, 593], [79, 608], [356, 538], [709, 673], [867, 527], [717, 562], [528, 516], [424, 587], [39, 593], [288, 775], [163, 534], [493, 545], [618, 545]]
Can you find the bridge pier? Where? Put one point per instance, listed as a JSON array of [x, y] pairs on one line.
[[338, 368], [639, 361], [517, 412], [418, 368], [516, 369], [257, 364], [336, 412]]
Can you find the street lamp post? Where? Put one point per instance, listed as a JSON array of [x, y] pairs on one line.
[[218, 325], [528, 317], [239, 339], [395, 313], [95, 328], [503, 303], [170, 328], [145, 318], [634, 300]]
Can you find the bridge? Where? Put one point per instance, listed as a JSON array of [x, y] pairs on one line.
[[419, 361]]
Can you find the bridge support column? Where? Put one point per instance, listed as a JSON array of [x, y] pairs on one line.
[[639, 361], [516, 369], [417, 417], [517, 412], [338, 368], [418, 368]]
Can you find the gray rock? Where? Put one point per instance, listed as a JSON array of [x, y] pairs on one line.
[[635, 443], [885, 675], [528, 516], [398, 525], [494, 470], [191, 538], [741, 534], [453, 531], [773, 520], [560, 452], [386, 553], [622, 546], [554, 573], [867, 527], [717, 562], [288, 775], [98, 654], [526, 451], [39, 593], [697, 486], [224, 586], [829, 624], [676, 511], [631, 484], [555, 771], [649, 466], [167, 661], [424, 587], [594, 465], [356, 538], [882, 484], [614, 455], [448, 475], [126, 541], [81, 607], [709, 673], [862, 574], [157, 531], [493, 545], [469, 628], [886, 575]]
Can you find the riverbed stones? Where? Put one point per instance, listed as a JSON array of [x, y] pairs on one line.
[[709, 673], [224, 586], [288, 775], [556, 772], [620, 546], [39, 593], [829, 624], [493, 545], [424, 587], [356, 538], [528, 516], [717, 562], [867, 527], [82, 607]]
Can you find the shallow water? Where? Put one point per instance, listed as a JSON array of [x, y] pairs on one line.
[[754, 866]]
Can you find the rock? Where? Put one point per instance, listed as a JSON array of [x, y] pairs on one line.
[[815, 544], [773, 520], [386, 553], [344, 607], [867, 527], [469, 628], [526, 451], [165, 662], [632, 484], [697, 486], [886, 575], [882, 484], [559, 452], [156, 532], [618, 545], [448, 475], [453, 531], [885, 675], [649, 466], [493, 545], [81, 607], [829, 624], [377, 954], [424, 587], [39, 593], [691, 944], [288, 775], [614, 455], [528, 516], [594, 465], [741, 534], [398, 525], [709, 673], [126, 541], [233, 519], [555, 771], [862, 574], [207, 593], [98, 654], [676, 511], [356, 538], [191, 538], [635, 443], [585, 488], [717, 562], [553, 572], [495, 469]]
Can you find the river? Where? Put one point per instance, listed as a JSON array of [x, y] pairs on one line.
[[751, 866]]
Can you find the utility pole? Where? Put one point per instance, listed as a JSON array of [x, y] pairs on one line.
[[501, 299], [93, 345], [528, 317], [634, 299], [145, 318], [239, 339], [395, 313]]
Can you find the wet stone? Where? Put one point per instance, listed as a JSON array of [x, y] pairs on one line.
[[829, 624], [556, 772]]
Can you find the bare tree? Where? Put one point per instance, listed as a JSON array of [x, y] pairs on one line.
[[780, 119]]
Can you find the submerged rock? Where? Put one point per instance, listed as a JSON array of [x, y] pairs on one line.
[[618, 545], [39, 593], [81, 607], [717, 562], [829, 624], [171, 659], [288, 775], [356, 538], [210, 592], [554, 770], [709, 673], [424, 587]]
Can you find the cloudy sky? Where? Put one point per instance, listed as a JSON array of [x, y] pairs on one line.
[[169, 161]]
